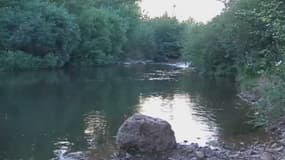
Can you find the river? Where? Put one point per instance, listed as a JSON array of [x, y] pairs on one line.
[[48, 113]]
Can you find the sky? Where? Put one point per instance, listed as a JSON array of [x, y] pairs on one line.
[[199, 10]]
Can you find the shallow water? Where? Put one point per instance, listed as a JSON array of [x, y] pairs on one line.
[[46, 114]]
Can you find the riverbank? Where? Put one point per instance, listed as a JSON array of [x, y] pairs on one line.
[[274, 149], [265, 95]]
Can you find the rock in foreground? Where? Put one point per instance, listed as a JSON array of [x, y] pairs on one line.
[[145, 134], [153, 139]]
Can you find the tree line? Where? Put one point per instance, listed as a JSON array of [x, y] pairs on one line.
[[245, 42], [51, 34]]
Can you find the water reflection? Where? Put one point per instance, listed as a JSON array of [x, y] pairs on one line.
[[160, 75], [45, 115], [96, 129], [62, 146], [189, 125]]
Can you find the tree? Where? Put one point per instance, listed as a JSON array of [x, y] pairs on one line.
[[39, 28]]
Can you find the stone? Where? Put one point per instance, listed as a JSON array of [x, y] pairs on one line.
[[279, 149], [274, 145], [200, 154], [75, 156], [234, 155], [266, 156], [144, 134], [253, 152]]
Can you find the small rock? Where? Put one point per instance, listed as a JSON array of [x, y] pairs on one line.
[[75, 156], [190, 148], [282, 141], [253, 152], [274, 145], [234, 155], [283, 134], [266, 156], [200, 154], [278, 149]]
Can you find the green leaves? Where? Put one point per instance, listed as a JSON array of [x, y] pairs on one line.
[[157, 39], [92, 32], [247, 41], [19, 61], [39, 28], [103, 36], [248, 37]]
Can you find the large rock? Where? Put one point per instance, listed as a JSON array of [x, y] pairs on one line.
[[145, 134]]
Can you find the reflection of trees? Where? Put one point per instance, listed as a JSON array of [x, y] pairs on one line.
[[47, 105], [215, 101], [96, 129], [218, 98]]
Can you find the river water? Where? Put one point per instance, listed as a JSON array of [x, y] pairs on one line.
[[46, 114]]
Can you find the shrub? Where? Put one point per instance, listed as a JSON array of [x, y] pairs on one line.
[[18, 61], [103, 36], [158, 39], [39, 28]]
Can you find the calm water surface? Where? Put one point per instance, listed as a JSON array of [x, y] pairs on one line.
[[45, 114]]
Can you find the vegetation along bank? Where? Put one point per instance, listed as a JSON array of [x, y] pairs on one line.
[[246, 42]]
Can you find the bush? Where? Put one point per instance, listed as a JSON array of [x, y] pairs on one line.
[[141, 44], [39, 29], [167, 36], [103, 36], [158, 39], [239, 41], [245, 42], [18, 61]]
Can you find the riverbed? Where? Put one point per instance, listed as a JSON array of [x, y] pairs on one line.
[[45, 114]]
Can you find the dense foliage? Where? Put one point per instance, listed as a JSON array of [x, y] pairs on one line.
[[105, 28], [244, 39], [158, 39], [245, 42], [103, 36], [51, 31], [89, 33]]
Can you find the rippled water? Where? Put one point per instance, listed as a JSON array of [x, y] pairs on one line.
[[44, 115]]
